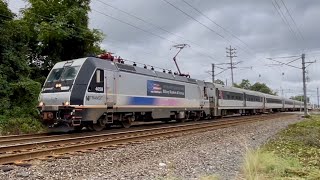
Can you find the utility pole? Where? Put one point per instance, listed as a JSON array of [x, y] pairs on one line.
[[231, 53], [318, 96], [212, 72], [304, 85]]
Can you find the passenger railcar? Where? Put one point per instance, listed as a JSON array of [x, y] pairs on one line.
[[273, 103]]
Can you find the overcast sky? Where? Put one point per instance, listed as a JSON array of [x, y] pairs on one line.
[[253, 27]]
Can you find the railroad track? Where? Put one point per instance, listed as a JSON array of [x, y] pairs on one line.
[[38, 146]]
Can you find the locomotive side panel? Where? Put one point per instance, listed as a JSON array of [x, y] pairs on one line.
[[148, 93]]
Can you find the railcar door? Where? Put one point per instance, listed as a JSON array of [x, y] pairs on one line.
[[212, 99], [111, 78], [244, 99]]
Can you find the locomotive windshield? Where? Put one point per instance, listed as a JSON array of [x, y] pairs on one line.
[[62, 74], [61, 79]]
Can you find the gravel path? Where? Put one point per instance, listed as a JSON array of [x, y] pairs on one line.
[[216, 152]]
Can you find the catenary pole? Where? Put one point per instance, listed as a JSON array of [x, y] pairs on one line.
[[318, 96], [304, 85], [212, 65], [231, 54]]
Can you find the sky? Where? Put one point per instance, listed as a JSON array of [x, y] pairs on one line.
[[145, 31]]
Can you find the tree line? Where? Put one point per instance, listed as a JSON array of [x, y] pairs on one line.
[[44, 33], [246, 84]]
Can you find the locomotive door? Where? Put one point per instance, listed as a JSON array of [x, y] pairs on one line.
[[212, 100], [110, 77]]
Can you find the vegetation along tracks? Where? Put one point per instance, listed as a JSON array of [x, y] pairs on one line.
[[65, 144]]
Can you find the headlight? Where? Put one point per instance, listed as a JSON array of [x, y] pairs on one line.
[[58, 85], [67, 103], [41, 103]]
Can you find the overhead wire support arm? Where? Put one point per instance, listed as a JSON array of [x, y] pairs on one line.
[[282, 63], [309, 63]]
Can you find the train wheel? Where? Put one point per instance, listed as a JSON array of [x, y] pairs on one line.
[[126, 123], [196, 117], [77, 128], [99, 126]]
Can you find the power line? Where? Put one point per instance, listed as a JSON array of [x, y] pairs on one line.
[[294, 22], [286, 57], [283, 18], [215, 32], [226, 30], [136, 27], [153, 25], [147, 22], [194, 18]]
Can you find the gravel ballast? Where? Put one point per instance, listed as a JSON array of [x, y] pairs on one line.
[[218, 152]]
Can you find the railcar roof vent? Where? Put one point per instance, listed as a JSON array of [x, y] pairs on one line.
[[125, 67]]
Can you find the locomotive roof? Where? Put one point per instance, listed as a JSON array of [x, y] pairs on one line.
[[139, 70]]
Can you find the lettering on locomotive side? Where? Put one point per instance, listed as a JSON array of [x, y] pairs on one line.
[[156, 88], [96, 98]]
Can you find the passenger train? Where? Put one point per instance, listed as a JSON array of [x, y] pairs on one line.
[[95, 92]]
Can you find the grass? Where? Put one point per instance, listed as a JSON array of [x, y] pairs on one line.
[[14, 126], [293, 154]]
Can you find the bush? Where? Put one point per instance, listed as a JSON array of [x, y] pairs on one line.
[[24, 98], [19, 126]]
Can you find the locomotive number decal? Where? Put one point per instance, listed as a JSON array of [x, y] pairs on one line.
[[156, 88], [99, 89]]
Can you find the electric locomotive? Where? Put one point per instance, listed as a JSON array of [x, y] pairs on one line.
[[94, 92]]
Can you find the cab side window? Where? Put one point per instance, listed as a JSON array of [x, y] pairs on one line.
[[97, 82]]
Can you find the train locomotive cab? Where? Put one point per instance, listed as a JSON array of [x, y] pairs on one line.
[[54, 99], [70, 88]]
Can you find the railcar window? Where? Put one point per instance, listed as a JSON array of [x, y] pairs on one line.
[[231, 95], [97, 82], [254, 98], [205, 92], [276, 101], [98, 76]]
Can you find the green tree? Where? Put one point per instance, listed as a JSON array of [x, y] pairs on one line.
[[15, 84], [262, 87], [218, 81], [59, 31], [300, 98], [245, 84]]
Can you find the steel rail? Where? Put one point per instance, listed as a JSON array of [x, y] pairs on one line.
[[36, 138], [161, 132], [23, 136]]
